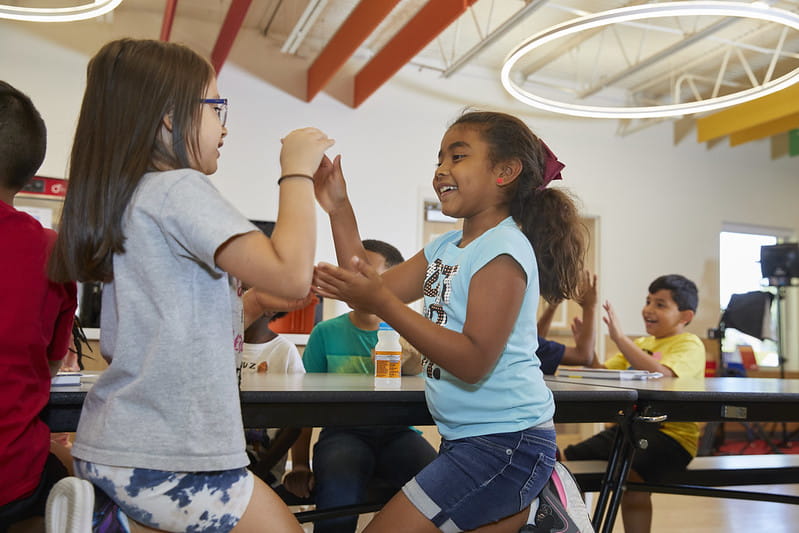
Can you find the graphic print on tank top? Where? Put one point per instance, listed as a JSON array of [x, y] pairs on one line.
[[438, 286]]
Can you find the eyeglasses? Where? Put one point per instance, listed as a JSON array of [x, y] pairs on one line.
[[220, 106]]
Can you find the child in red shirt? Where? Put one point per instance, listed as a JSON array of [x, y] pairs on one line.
[[35, 322]]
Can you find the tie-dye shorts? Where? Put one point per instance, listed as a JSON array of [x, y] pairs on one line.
[[174, 501]]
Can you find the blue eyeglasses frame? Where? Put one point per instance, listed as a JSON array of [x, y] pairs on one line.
[[221, 111]]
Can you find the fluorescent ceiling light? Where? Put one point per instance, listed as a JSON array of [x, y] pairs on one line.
[[58, 14], [626, 14]]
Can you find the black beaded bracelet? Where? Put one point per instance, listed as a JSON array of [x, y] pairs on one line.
[[294, 176]]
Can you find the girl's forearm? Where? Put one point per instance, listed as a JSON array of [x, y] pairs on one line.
[[639, 359], [586, 339], [346, 237], [453, 351], [294, 236]]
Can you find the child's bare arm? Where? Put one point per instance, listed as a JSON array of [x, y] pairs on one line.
[[638, 359], [584, 329], [545, 320], [411, 359], [492, 310], [256, 303], [283, 264], [331, 193]]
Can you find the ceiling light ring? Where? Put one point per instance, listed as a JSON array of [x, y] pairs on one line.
[[630, 13], [93, 8]]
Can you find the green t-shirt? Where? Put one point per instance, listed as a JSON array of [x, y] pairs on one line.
[[337, 346]]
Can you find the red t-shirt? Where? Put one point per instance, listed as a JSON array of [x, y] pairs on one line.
[[35, 327]]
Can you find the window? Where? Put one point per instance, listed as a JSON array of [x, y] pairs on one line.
[[739, 263], [739, 272]]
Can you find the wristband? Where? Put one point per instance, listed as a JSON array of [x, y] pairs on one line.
[[281, 178]]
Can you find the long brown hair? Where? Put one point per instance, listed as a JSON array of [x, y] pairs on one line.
[[547, 216], [131, 85]]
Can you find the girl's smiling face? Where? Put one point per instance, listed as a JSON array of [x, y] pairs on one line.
[[465, 176], [211, 134]]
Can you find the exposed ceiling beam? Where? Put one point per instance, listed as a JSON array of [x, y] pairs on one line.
[[227, 34], [569, 43], [658, 56], [303, 25], [431, 20], [500, 31], [361, 22], [169, 18], [545, 58]]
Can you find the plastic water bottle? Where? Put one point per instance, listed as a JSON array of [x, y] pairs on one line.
[[388, 355]]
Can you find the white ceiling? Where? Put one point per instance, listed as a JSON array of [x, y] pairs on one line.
[[651, 62]]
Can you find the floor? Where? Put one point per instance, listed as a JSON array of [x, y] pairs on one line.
[[693, 514], [685, 514]]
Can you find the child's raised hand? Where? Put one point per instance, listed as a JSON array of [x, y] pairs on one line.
[[302, 151], [614, 327], [361, 289], [576, 327], [329, 185], [586, 290]]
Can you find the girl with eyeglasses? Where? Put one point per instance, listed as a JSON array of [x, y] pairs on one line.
[[142, 217]]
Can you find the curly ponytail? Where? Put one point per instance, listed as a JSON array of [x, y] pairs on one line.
[[551, 222]]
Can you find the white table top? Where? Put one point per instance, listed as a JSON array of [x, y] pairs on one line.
[[709, 386], [252, 381]]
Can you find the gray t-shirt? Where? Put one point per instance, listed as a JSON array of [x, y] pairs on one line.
[[172, 326]]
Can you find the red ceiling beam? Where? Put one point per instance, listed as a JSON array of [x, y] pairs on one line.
[[169, 18], [430, 21], [363, 20], [230, 28]]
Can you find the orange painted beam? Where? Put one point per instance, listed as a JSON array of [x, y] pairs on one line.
[[363, 20], [169, 18], [430, 21], [227, 34]]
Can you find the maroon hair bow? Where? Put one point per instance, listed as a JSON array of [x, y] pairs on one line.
[[552, 167]]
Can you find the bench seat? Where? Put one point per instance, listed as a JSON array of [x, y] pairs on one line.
[[709, 471]]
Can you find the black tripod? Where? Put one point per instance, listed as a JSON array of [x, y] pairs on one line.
[[781, 283], [748, 313]]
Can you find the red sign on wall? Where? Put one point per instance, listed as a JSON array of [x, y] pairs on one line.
[[46, 186]]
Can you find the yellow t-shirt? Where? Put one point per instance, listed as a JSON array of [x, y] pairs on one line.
[[684, 354]]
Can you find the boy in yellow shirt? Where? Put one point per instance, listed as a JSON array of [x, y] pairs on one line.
[[669, 349]]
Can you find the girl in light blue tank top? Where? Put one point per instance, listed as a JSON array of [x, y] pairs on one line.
[[521, 240]]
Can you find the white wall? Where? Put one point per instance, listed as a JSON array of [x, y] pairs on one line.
[[660, 206]]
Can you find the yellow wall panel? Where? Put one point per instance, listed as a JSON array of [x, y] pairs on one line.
[[767, 129], [749, 115]]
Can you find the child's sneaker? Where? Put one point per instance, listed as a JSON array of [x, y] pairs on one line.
[[108, 517], [575, 505], [76, 506], [560, 507], [69, 506]]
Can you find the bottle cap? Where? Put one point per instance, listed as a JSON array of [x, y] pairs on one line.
[[384, 327]]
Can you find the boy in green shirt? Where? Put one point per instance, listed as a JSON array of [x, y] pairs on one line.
[[350, 462]]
